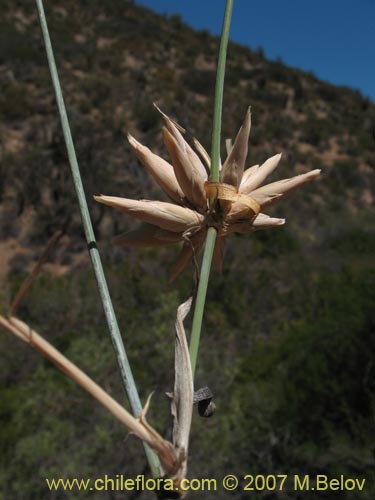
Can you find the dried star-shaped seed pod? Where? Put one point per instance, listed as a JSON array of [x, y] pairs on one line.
[[238, 198]]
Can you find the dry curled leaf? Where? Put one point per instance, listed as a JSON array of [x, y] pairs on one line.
[[183, 392]]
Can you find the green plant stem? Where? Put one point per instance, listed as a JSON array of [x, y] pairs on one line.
[[215, 162], [219, 91], [201, 296], [118, 345]]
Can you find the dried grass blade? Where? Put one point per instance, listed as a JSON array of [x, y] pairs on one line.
[[34, 273], [146, 433]]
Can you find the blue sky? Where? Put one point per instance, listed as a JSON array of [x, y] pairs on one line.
[[333, 39]]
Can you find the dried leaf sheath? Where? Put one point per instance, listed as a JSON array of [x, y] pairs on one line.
[[183, 394]]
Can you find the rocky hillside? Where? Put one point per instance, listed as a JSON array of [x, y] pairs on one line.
[[289, 324], [114, 62]]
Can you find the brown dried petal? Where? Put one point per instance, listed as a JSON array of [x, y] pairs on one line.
[[262, 221], [248, 173], [160, 170], [147, 236], [172, 124], [175, 129], [234, 165], [203, 153], [165, 215], [269, 194], [258, 176], [240, 226], [228, 145], [189, 178]]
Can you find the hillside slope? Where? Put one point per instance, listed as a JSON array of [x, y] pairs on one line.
[[114, 62]]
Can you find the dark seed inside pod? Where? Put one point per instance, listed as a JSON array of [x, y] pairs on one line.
[[203, 398], [206, 410]]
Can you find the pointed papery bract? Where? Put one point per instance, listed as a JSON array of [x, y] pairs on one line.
[[196, 163], [161, 170], [258, 177], [234, 165], [190, 180], [147, 236], [269, 194], [204, 155], [194, 246], [248, 173], [239, 226], [164, 215], [172, 125], [175, 129], [263, 221], [228, 145]]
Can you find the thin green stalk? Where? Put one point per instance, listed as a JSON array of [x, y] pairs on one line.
[[215, 161], [122, 359], [201, 296], [219, 90]]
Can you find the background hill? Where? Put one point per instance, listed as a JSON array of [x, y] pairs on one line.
[[288, 337]]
